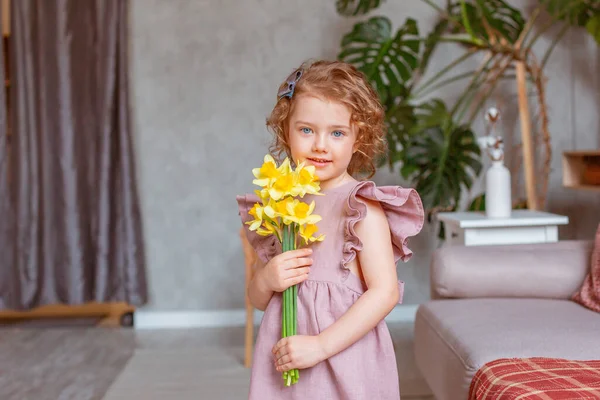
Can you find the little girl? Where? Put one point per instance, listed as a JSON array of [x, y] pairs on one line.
[[328, 115]]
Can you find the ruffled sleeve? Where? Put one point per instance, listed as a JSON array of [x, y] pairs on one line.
[[402, 207], [266, 247]]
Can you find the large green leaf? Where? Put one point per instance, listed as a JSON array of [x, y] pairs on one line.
[[576, 12], [478, 203], [387, 61], [356, 7], [431, 42], [400, 120], [405, 119], [442, 160], [503, 18], [497, 15], [593, 27], [430, 115]]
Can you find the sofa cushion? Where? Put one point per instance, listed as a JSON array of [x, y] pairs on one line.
[[589, 293], [542, 270], [454, 338]]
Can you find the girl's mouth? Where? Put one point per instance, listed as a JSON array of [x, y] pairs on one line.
[[319, 162]]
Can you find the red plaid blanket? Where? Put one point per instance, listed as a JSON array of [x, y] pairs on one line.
[[537, 379]]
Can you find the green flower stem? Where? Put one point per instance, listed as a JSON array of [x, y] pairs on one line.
[[295, 301], [289, 307], [287, 300], [295, 298]]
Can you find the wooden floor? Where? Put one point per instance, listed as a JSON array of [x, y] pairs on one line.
[[83, 362]]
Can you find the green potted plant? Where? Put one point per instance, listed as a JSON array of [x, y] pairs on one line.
[[433, 142]]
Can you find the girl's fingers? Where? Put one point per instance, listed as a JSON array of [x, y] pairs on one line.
[[285, 367], [281, 343], [298, 262], [288, 255], [281, 352], [285, 359], [293, 273], [295, 280]]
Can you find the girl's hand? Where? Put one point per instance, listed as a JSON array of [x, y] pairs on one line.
[[287, 269], [298, 352]]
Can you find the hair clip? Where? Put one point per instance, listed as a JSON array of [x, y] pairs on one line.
[[288, 89]]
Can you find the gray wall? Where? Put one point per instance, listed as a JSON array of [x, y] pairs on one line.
[[204, 76]]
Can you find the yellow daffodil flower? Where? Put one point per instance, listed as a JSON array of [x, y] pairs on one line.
[[285, 168], [276, 209], [307, 231], [267, 173], [268, 228], [306, 180], [283, 186], [257, 213], [300, 213]]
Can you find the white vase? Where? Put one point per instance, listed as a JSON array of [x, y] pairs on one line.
[[497, 191]]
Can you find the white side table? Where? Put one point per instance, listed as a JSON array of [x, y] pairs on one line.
[[473, 228]]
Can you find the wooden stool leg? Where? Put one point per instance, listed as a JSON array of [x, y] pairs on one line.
[[249, 321]]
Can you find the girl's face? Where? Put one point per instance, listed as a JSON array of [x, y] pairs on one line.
[[320, 134]]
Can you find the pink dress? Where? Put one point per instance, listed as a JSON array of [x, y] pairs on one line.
[[367, 369]]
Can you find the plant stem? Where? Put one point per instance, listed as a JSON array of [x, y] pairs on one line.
[[546, 27], [559, 36], [289, 311], [473, 85], [295, 307], [442, 11], [425, 92], [492, 85], [444, 70], [289, 301], [285, 302], [527, 29], [464, 39]]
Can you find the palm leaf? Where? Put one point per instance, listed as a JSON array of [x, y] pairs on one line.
[[485, 17], [504, 19], [387, 61], [576, 12], [429, 115], [356, 7], [442, 161], [400, 120]]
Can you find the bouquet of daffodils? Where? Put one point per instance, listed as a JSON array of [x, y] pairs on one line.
[[280, 213]]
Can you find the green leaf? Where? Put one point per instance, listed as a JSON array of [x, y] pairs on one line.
[[356, 7], [387, 61], [431, 43], [429, 115], [442, 161], [400, 119], [576, 12], [407, 170], [593, 27], [504, 20], [478, 203], [466, 21]]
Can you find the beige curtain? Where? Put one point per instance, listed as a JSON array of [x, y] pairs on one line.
[[70, 221]]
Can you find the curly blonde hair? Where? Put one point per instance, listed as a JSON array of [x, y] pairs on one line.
[[343, 83]]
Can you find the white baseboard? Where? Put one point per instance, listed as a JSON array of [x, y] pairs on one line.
[[224, 318]]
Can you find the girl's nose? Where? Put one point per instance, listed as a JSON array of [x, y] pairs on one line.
[[320, 143]]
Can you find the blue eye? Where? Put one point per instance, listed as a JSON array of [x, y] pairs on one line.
[[306, 130], [338, 133]]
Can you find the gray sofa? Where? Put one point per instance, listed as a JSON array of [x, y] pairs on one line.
[[491, 302]]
